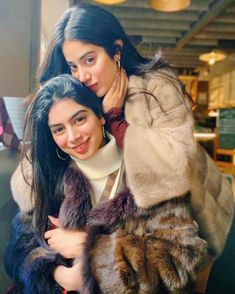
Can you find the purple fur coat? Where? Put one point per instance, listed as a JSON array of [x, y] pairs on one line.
[[129, 249]]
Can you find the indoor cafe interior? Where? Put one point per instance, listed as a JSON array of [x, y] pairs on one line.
[[195, 37]]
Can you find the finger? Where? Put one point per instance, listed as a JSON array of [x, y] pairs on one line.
[[55, 221], [49, 234], [126, 85], [114, 85], [122, 82], [49, 242]]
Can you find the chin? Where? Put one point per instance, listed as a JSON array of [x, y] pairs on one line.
[[100, 93]]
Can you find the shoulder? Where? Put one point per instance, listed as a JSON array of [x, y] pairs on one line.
[[161, 86], [21, 186]]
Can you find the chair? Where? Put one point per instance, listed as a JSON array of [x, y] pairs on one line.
[[228, 164]]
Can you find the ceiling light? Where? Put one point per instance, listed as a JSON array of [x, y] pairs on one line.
[[110, 2], [169, 5], [212, 57]]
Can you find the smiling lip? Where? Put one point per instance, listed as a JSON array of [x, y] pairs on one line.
[[82, 148]]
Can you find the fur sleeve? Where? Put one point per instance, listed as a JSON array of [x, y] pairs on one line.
[[159, 145], [156, 249], [28, 263]]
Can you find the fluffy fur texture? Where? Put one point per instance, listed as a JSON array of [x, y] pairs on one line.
[[128, 250], [157, 244], [77, 195], [30, 264], [163, 160], [159, 145]]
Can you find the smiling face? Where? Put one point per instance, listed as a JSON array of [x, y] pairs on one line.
[[91, 65], [75, 129]]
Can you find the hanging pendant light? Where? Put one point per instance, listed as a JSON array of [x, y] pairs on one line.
[[212, 57], [110, 2], [169, 5]]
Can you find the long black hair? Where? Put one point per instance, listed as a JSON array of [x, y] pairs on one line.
[[95, 25], [47, 168]]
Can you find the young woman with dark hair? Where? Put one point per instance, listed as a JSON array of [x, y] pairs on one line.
[[76, 165], [149, 113]]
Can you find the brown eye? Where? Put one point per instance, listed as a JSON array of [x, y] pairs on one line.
[[89, 60], [73, 67], [57, 131], [80, 119]]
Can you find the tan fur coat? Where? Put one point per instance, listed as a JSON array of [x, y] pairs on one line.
[[163, 160]]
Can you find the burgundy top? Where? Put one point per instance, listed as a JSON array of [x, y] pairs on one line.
[[116, 124]]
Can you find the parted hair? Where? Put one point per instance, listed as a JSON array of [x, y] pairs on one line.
[[94, 25]]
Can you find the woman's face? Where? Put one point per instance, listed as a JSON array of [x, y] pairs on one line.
[[91, 65], [75, 128]]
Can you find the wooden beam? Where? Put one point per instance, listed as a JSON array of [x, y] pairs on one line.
[[215, 36], [219, 27], [216, 8], [153, 33], [155, 24], [146, 13]]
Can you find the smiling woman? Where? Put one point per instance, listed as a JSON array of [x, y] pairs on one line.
[[76, 129]]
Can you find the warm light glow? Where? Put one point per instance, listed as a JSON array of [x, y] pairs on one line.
[[211, 60], [110, 2], [212, 57], [169, 5]]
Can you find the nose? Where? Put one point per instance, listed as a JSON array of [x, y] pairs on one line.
[[73, 135], [82, 75]]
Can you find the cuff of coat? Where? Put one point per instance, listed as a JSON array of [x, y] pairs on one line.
[[37, 275]]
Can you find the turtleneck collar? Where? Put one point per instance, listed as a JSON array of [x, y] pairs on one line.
[[107, 160]]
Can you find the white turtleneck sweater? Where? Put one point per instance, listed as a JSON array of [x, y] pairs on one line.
[[107, 160]]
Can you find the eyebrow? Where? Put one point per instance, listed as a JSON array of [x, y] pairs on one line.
[[81, 57], [74, 115]]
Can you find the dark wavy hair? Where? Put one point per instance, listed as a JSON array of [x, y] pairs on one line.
[[47, 168]]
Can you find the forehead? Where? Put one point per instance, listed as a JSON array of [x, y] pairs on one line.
[[78, 48], [64, 109]]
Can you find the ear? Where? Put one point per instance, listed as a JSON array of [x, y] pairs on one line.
[[118, 44]]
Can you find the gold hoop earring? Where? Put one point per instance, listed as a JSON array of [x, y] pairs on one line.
[[60, 157], [118, 64]]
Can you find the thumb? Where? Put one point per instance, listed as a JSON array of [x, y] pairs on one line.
[[55, 221]]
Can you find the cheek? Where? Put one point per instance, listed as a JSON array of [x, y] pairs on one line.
[[106, 71], [95, 130], [60, 141]]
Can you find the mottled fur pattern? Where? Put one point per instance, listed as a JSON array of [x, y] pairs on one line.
[[77, 203], [166, 233], [111, 213], [128, 250]]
